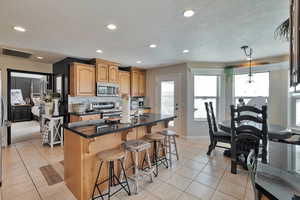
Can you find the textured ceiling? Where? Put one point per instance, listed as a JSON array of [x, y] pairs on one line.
[[77, 28]]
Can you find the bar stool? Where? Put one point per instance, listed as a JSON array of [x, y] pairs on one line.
[[170, 138], [158, 142], [136, 146], [110, 156]]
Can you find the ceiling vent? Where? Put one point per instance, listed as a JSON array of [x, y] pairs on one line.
[[20, 54]]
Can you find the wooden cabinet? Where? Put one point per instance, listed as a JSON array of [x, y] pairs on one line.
[[138, 82], [113, 74], [77, 118], [106, 71], [82, 80], [102, 72], [124, 80], [142, 83]]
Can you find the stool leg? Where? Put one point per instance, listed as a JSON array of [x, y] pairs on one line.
[[96, 184], [111, 163], [174, 138], [122, 168], [164, 152], [124, 164], [155, 159], [149, 163], [136, 172], [170, 150]]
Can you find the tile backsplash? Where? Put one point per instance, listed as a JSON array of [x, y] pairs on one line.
[[87, 100]]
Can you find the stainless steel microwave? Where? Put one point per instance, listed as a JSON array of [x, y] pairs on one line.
[[107, 90]]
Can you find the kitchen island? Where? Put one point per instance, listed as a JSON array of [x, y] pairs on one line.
[[83, 140]]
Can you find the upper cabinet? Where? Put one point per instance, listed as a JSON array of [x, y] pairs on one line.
[[106, 71], [138, 82], [113, 74], [124, 80], [82, 80], [101, 72]]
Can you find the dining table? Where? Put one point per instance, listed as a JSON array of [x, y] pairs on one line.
[[276, 133]]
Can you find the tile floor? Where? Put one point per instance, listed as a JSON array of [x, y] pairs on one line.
[[195, 177]]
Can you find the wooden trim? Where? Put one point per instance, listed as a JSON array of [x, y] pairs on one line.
[[98, 60]]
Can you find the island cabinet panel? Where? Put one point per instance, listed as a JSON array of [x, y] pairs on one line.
[[102, 72], [124, 80], [82, 80], [81, 161], [113, 74]]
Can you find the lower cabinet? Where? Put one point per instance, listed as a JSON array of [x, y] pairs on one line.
[[21, 113], [77, 118]]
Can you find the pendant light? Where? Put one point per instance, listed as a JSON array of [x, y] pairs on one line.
[[248, 53]]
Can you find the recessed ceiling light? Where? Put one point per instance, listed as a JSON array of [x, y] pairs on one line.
[[99, 51], [39, 57], [111, 27], [152, 46], [19, 28], [138, 62], [186, 51], [188, 13]]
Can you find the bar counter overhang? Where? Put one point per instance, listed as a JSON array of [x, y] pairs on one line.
[[83, 140]]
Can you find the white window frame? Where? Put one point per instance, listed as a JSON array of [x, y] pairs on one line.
[[295, 96], [235, 98], [208, 97]]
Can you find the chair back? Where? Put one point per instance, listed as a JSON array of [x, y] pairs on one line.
[[211, 120], [249, 126]]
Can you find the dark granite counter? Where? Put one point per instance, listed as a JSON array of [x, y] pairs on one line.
[[279, 178], [96, 128]]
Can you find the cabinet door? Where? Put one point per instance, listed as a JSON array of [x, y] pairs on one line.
[[102, 72], [113, 74], [142, 83], [124, 80], [82, 80], [134, 83]]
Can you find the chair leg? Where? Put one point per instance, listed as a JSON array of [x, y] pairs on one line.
[[164, 154], [155, 159], [111, 163], [211, 147], [96, 182], [233, 167], [126, 179], [136, 163], [176, 150]]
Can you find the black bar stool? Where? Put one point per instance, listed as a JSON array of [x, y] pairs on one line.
[[110, 156], [158, 143]]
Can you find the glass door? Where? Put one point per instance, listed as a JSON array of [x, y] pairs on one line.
[[169, 90]]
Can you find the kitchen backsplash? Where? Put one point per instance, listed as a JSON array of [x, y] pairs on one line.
[[88, 100]]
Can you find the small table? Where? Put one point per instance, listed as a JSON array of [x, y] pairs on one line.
[[278, 179], [55, 128]]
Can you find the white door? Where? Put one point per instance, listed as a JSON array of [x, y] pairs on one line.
[[169, 99]]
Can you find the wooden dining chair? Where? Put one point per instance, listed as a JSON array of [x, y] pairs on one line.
[[247, 130], [214, 134]]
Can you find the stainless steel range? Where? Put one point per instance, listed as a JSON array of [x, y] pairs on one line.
[[107, 109]]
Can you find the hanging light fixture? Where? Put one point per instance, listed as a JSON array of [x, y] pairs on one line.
[[248, 52]]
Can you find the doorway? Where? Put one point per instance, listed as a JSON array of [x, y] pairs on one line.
[[25, 91], [170, 98]]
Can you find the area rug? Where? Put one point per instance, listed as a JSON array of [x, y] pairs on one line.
[[53, 173]]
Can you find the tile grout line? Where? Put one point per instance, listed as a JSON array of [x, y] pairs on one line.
[[28, 173]]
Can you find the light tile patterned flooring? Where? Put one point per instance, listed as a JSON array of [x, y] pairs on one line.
[[194, 177]]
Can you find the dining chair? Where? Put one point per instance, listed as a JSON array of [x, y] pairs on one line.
[[214, 134], [252, 166], [247, 131]]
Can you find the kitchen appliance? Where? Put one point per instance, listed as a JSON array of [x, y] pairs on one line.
[[141, 102], [107, 109], [107, 89]]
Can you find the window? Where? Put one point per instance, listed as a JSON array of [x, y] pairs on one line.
[[258, 88], [167, 99], [297, 112], [205, 90]]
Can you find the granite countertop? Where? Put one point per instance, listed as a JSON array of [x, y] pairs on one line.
[[96, 128], [277, 178]]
